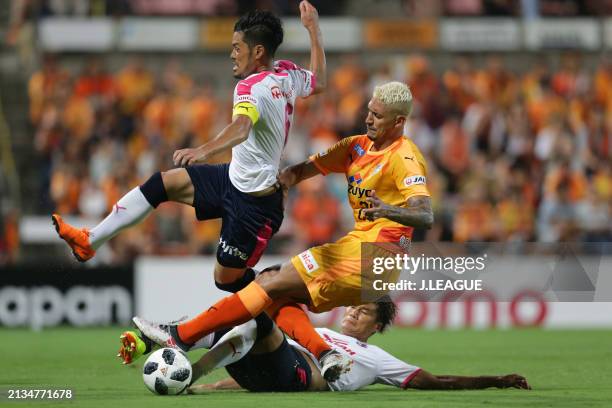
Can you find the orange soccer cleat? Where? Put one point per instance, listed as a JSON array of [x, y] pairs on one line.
[[77, 239]]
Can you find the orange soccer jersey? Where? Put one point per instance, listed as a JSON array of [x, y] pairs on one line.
[[395, 174], [332, 272]]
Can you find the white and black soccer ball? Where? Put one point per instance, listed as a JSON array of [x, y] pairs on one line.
[[167, 372]]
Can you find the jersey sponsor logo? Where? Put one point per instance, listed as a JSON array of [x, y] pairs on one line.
[[359, 192], [414, 180], [245, 98], [232, 250], [344, 345], [355, 179], [359, 150], [309, 262], [409, 158], [276, 92]]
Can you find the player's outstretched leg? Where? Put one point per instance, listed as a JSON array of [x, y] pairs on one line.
[[131, 209], [164, 335]]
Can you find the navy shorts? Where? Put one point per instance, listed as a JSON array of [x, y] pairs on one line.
[[248, 222], [282, 370]]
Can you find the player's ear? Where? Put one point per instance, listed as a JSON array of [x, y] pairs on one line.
[[400, 120], [259, 52]]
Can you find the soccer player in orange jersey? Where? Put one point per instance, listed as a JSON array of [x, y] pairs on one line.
[[387, 189]]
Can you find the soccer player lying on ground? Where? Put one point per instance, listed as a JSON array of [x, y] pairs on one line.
[[258, 357], [382, 162], [245, 193]]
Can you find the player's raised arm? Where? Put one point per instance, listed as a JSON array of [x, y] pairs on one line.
[[318, 65], [417, 214], [233, 134]]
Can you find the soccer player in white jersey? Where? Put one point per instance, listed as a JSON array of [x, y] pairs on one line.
[[258, 357], [245, 193]]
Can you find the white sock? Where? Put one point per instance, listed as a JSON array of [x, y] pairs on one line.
[[234, 345], [131, 209], [205, 342]]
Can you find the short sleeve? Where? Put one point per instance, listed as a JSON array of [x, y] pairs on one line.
[[410, 174], [393, 371], [303, 80], [336, 158], [246, 101]]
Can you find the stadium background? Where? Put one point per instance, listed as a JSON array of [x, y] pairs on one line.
[[513, 111]]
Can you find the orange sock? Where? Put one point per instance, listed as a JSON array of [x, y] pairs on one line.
[[294, 321], [228, 312]]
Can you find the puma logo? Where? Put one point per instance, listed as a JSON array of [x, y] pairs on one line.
[[234, 352]]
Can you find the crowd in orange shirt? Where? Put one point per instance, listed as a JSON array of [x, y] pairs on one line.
[[512, 155]]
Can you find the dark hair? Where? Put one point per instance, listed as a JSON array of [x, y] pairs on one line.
[[261, 27], [386, 310]]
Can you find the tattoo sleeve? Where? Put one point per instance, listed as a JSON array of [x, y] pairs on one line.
[[417, 214]]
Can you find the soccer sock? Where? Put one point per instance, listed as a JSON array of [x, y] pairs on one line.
[[230, 348], [230, 311], [207, 341], [238, 284], [131, 209], [294, 321]]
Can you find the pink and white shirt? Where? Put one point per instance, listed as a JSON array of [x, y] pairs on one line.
[[255, 162], [371, 364]]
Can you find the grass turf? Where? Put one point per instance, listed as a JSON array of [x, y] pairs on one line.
[[565, 369]]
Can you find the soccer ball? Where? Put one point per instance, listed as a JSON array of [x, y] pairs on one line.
[[167, 372]]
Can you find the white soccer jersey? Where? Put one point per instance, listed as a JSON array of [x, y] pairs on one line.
[[371, 364], [255, 162]]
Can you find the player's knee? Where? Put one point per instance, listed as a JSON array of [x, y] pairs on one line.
[[154, 190], [282, 283], [228, 284], [269, 282], [178, 186]]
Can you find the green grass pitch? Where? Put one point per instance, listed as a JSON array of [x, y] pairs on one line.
[[565, 368]]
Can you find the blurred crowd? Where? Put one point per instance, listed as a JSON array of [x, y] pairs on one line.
[[512, 156], [34, 9]]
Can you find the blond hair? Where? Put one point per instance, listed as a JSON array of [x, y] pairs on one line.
[[395, 95]]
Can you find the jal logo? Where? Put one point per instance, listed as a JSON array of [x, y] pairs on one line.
[[359, 150], [355, 179], [276, 92], [309, 262], [414, 180]]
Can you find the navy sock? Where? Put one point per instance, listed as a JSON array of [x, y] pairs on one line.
[[238, 284], [264, 325], [154, 191]]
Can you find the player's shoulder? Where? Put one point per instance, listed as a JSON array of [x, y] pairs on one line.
[[286, 65], [407, 148], [408, 154], [252, 83]]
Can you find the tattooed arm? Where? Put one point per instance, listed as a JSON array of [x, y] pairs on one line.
[[417, 214]]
